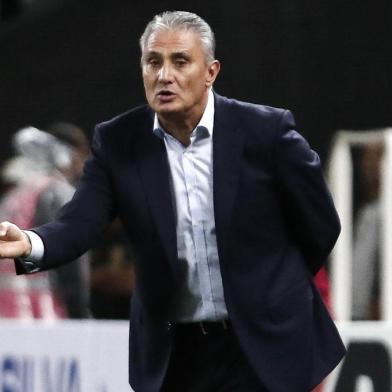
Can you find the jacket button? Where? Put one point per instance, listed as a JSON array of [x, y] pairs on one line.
[[169, 325]]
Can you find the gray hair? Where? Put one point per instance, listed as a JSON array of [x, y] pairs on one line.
[[182, 20]]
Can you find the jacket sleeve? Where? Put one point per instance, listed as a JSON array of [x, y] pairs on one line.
[[81, 221], [306, 201]]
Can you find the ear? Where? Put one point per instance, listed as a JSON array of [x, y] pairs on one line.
[[212, 72]]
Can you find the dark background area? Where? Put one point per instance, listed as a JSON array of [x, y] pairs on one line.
[[328, 61]]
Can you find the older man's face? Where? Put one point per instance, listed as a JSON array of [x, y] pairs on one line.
[[176, 74]]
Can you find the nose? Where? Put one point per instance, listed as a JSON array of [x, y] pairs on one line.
[[165, 74]]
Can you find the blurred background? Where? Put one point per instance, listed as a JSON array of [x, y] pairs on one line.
[[74, 63], [78, 60]]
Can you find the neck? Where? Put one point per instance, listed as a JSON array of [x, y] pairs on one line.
[[181, 129]]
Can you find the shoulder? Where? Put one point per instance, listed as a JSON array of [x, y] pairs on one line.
[[249, 112], [127, 124], [258, 123]]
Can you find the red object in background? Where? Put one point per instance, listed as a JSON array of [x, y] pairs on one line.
[[26, 296], [322, 282]]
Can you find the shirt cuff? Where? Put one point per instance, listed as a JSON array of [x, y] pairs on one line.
[[37, 248]]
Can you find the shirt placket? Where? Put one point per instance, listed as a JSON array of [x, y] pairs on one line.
[[198, 229]]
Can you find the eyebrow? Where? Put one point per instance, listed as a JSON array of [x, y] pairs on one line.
[[174, 55], [148, 55]]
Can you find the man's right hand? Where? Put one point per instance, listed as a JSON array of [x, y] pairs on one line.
[[13, 241]]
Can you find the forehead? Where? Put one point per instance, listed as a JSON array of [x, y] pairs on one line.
[[162, 41]]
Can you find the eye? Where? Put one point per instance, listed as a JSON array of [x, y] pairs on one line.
[[180, 62], [153, 62]]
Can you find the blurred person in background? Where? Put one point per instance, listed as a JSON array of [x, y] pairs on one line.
[[32, 296], [366, 268], [111, 261], [41, 176], [76, 139], [71, 280]]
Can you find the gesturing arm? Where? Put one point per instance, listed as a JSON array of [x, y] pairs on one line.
[[77, 225], [80, 222]]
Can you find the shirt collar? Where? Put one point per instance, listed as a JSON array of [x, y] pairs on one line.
[[205, 125]]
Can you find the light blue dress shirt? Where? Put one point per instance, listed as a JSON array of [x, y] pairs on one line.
[[200, 297]]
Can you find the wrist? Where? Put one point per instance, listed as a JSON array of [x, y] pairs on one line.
[[27, 253]]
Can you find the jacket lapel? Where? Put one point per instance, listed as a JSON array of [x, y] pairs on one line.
[[227, 150], [150, 152]]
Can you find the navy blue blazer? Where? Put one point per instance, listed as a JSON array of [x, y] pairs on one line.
[[275, 226]]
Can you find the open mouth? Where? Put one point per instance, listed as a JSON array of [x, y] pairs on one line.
[[166, 96], [166, 93]]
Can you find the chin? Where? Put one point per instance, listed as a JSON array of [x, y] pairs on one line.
[[167, 110]]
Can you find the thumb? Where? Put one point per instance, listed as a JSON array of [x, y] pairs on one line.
[[10, 232], [13, 241]]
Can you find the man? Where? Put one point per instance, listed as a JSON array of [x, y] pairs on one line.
[[230, 217]]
